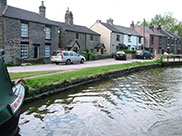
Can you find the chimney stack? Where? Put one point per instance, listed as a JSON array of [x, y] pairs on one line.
[[159, 28], [68, 17], [132, 25], [151, 27], [3, 3], [110, 21], [42, 10], [98, 21]]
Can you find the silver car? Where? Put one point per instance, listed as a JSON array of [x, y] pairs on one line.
[[67, 57]]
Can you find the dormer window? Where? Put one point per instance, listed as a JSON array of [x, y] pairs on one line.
[[47, 33], [24, 30]]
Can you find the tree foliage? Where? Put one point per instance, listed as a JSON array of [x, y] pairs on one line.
[[166, 21]]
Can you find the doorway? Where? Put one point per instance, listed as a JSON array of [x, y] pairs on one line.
[[36, 51]]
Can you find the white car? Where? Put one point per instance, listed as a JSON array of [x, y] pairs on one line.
[[68, 57]]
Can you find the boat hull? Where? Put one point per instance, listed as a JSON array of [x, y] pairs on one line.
[[10, 127]]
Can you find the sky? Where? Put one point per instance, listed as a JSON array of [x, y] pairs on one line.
[[86, 12]]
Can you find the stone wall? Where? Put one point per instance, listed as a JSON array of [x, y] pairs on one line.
[[13, 39]]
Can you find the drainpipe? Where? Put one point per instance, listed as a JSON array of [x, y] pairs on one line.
[[85, 41]]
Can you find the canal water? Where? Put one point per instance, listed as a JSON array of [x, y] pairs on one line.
[[146, 103]]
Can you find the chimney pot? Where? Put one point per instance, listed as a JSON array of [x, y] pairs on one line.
[[132, 25], [98, 21], [110, 21], [42, 10]]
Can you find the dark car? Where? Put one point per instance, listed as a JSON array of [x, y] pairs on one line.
[[143, 54], [120, 55]]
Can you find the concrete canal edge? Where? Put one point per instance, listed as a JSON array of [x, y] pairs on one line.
[[67, 85]]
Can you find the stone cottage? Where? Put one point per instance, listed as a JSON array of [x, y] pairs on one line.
[[26, 35], [75, 37]]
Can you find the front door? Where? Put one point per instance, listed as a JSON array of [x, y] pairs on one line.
[[36, 51]]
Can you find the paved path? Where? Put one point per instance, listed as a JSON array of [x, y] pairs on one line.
[[46, 67]]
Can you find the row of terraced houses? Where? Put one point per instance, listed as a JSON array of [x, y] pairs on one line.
[[27, 35]]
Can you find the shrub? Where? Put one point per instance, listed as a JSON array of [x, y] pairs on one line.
[[129, 51], [88, 55]]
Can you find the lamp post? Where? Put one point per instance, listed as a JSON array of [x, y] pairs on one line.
[[143, 33]]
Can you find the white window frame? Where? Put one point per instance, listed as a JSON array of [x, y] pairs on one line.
[[47, 33], [47, 51], [24, 30], [24, 50]]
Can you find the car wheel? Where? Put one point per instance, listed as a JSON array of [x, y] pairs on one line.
[[151, 58], [144, 58], [68, 62], [82, 61], [57, 63]]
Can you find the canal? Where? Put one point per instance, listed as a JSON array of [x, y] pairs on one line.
[[146, 103]]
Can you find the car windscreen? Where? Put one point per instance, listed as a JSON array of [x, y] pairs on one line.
[[55, 53]]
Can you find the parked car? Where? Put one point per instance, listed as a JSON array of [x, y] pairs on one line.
[[143, 54], [68, 57], [11, 100], [120, 55]]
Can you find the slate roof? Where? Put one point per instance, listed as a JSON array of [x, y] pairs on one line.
[[127, 30], [111, 27], [71, 43], [148, 30], [12, 12], [174, 36], [121, 29], [167, 33], [76, 28]]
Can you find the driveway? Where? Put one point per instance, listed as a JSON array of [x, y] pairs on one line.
[[64, 67]]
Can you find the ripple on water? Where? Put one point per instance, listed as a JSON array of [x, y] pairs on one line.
[[146, 103]]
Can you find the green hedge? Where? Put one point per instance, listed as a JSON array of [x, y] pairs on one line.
[[129, 51]]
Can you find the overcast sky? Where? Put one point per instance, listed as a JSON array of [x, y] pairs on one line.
[[86, 12]]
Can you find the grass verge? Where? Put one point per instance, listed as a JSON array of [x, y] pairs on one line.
[[39, 82], [29, 74]]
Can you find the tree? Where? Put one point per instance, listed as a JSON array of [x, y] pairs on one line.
[[166, 21]]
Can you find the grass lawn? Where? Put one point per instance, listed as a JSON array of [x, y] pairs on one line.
[[29, 74], [39, 82]]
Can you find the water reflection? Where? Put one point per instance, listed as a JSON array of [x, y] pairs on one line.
[[145, 103]]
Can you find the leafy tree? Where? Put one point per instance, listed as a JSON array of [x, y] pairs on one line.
[[166, 21]]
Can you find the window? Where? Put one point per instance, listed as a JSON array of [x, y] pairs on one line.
[[91, 37], [24, 50], [48, 33], [140, 40], [160, 40], [71, 53], [152, 40], [129, 38], [118, 38], [47, 51], [65, 54], [77, 35], [168, 41], [173, 41], [24, 30]]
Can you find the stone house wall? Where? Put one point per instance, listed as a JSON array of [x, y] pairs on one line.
[[13, 39]]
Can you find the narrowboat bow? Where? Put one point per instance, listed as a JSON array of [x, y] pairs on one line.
[[11, 100]]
